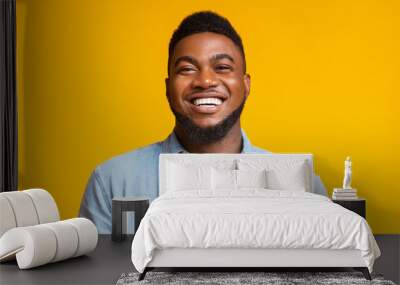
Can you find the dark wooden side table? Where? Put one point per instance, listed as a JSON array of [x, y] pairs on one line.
[[120, 206], [357, 205]]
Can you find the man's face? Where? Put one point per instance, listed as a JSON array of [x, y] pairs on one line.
[[206, 80]]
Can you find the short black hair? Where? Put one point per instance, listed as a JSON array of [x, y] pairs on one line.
[[201, 22]]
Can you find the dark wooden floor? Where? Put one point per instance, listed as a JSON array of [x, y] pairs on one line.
[[104, 266], [389, 262]]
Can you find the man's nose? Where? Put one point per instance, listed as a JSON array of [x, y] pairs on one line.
[[205, 79]]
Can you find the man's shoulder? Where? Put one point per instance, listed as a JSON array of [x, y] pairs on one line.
[[137, 158]]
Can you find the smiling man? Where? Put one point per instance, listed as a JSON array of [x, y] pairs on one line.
[[207, 87]]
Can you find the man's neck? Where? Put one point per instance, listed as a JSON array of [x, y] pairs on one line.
[[231, 143]]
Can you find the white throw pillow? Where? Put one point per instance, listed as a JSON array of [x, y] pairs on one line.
[[281, 174], [188, 177], [294, 179], [251, 178], [226, 179], [223, 179]]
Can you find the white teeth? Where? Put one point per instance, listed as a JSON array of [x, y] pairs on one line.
[[208, 101]]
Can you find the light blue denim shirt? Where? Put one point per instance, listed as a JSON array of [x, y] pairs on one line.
[[136, 174]]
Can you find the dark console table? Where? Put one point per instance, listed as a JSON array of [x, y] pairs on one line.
[[357, 205], [120, 206]]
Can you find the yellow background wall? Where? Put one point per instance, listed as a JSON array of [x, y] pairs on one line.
[[325, 80]]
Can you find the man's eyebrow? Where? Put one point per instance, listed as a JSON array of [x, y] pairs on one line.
[[186, 58], [192, 60], [222, 56]]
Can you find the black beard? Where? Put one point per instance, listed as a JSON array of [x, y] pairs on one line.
[[199, 135]]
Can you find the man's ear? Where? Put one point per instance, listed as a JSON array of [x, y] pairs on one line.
[[167, 87], [246, 85]]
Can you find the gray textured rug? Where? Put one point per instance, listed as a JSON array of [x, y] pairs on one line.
[[269, 278]]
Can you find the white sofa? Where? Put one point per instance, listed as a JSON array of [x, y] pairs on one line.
[[31, 231]]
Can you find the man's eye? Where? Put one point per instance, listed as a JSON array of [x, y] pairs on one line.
[[223, 68], [186, 70]]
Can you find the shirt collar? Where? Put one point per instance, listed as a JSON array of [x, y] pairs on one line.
[[172, 145]]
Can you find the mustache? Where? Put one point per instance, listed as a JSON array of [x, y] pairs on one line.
[[208, 90]]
